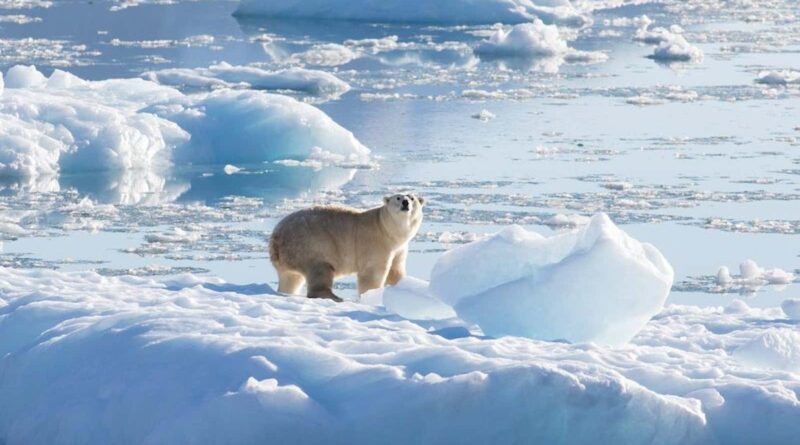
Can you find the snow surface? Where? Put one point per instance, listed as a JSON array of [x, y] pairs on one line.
[[410, 298], [65, 124], [595, 283], [226, 75], [94, 359], [442, 11]]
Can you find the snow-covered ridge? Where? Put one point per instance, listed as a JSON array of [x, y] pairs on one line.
[[198, 360], [63, 123], [440, 11]]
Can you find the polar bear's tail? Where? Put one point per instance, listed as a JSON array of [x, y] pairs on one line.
[[274, 254]]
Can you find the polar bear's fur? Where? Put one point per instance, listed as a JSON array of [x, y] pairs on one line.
[[319, 244]]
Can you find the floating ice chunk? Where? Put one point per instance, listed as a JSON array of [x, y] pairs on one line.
[[524, 40], [224, 74], [724, 276], [592, 284], [231, 169], [484, 115], [783, 77], [442, 11], [677, 48], [774, 349], [410, 298], [791, 308], [327, 54], [568, 220], [24, 76]]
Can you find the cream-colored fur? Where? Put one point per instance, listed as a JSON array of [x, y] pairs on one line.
[[317, 245]]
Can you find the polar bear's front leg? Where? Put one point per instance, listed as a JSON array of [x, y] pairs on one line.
[[398, 268], [372, 278]]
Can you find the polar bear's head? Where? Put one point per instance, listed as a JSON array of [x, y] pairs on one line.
[[406, 206]]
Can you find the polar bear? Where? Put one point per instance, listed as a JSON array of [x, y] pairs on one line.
[[319, 244]]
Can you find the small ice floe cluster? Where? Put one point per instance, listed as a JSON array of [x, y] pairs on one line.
[[751, 278]]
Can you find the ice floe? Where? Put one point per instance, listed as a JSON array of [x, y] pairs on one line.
[[82, 345], [520, 283], [533, 41], [226, 75], [66, 124], [782, 77]]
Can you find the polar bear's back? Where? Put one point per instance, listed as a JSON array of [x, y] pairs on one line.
[[318, 234]]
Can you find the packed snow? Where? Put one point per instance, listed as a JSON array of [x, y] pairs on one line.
[[65, 124], [595, 283], [445, 11], [188, 359]]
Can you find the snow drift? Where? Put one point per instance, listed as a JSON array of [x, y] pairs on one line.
[[441, 11], [593, 284], [65, 124]]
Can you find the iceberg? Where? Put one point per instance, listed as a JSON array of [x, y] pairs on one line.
[[593, 284]]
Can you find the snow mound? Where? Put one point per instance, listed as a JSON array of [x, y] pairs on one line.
[[594, 284], [774, 349], [226, 75], [65, 124], [410, 299], [441, 11], [24, 76], [782, 77], [533, 40]]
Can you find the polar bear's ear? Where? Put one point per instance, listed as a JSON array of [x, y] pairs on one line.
[[386, 199], [421, 200]]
